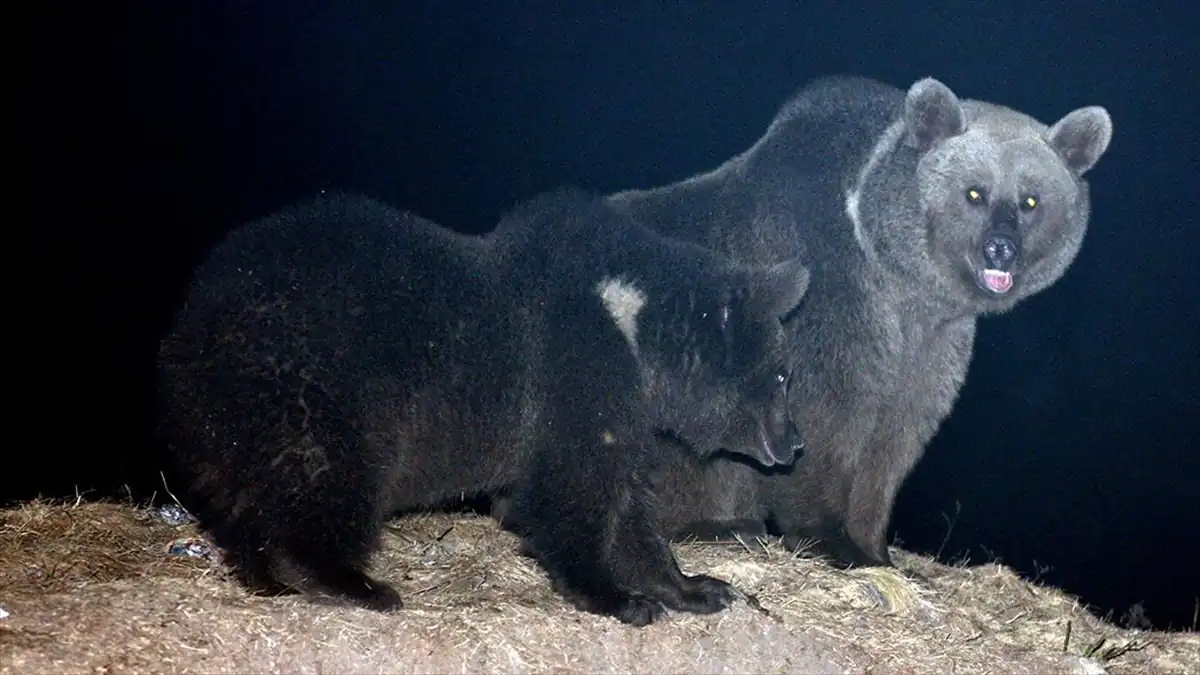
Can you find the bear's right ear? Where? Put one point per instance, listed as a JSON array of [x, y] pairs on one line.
[[784, 285], [931, 113], [1081, 137]]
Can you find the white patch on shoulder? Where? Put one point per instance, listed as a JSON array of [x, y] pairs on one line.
[[624, 302], [883, 146]]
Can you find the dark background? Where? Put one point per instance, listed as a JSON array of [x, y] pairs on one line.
[[1072, 454]]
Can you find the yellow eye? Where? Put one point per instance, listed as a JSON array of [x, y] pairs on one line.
[[1029, 203], [975, 195]]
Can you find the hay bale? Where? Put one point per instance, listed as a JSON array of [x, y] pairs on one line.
[[91, 587]]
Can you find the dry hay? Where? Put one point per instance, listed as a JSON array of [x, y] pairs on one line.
[[90, 588]]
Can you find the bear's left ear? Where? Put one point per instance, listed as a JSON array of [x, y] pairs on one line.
[[787, 284], [1081, 137], [931, 113], [764, 292]]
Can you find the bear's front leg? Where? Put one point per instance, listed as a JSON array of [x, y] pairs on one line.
[[655, 572], [586, 516]]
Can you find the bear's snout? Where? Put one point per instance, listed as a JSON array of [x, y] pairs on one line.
[[1000, 251]]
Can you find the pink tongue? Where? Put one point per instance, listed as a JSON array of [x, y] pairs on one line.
[[997, 281]]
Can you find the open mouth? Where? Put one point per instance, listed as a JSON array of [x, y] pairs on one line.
[[997, 282], [770, 454]]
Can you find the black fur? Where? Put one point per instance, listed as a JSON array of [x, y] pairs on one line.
[[340, 361]]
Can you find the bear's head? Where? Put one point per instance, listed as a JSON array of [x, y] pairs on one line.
[[716, 361], [982, 204]]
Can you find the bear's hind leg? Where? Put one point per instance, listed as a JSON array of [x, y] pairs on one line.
[[250, 558], [344, 580], [337, 513]]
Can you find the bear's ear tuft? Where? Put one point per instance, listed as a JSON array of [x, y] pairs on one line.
[[932, 113], [1081, 137]]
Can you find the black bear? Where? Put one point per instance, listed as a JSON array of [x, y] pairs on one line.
[[341, 360]]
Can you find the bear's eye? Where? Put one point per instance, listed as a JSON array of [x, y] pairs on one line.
[[1029, 202], [976, 196], [781, 378]]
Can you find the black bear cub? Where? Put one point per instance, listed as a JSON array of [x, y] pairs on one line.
[[340, 361]]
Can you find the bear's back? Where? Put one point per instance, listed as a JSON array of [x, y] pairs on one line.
[[350, 274], [569, 242], [398, 326], [829, 128]]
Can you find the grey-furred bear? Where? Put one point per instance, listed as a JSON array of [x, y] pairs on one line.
[[341, 361], [917, 212]]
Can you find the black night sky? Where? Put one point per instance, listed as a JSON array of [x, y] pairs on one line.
[[1073, 452]]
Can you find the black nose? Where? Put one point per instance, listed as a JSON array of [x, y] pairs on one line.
[[999, 252]]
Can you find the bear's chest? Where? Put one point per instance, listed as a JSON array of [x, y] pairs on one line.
[[921, 361]]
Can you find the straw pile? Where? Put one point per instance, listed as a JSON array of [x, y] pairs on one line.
[[101, 587]]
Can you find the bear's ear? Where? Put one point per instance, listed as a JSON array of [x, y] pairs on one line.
[[931, 113], [782, 287], [1081, 137]]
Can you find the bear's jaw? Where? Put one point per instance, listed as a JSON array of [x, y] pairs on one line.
[[994, 285], [996, 282]]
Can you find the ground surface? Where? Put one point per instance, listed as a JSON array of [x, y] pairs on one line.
[[95, 588]]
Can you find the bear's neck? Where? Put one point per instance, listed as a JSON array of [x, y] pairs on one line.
[[753, 212]]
